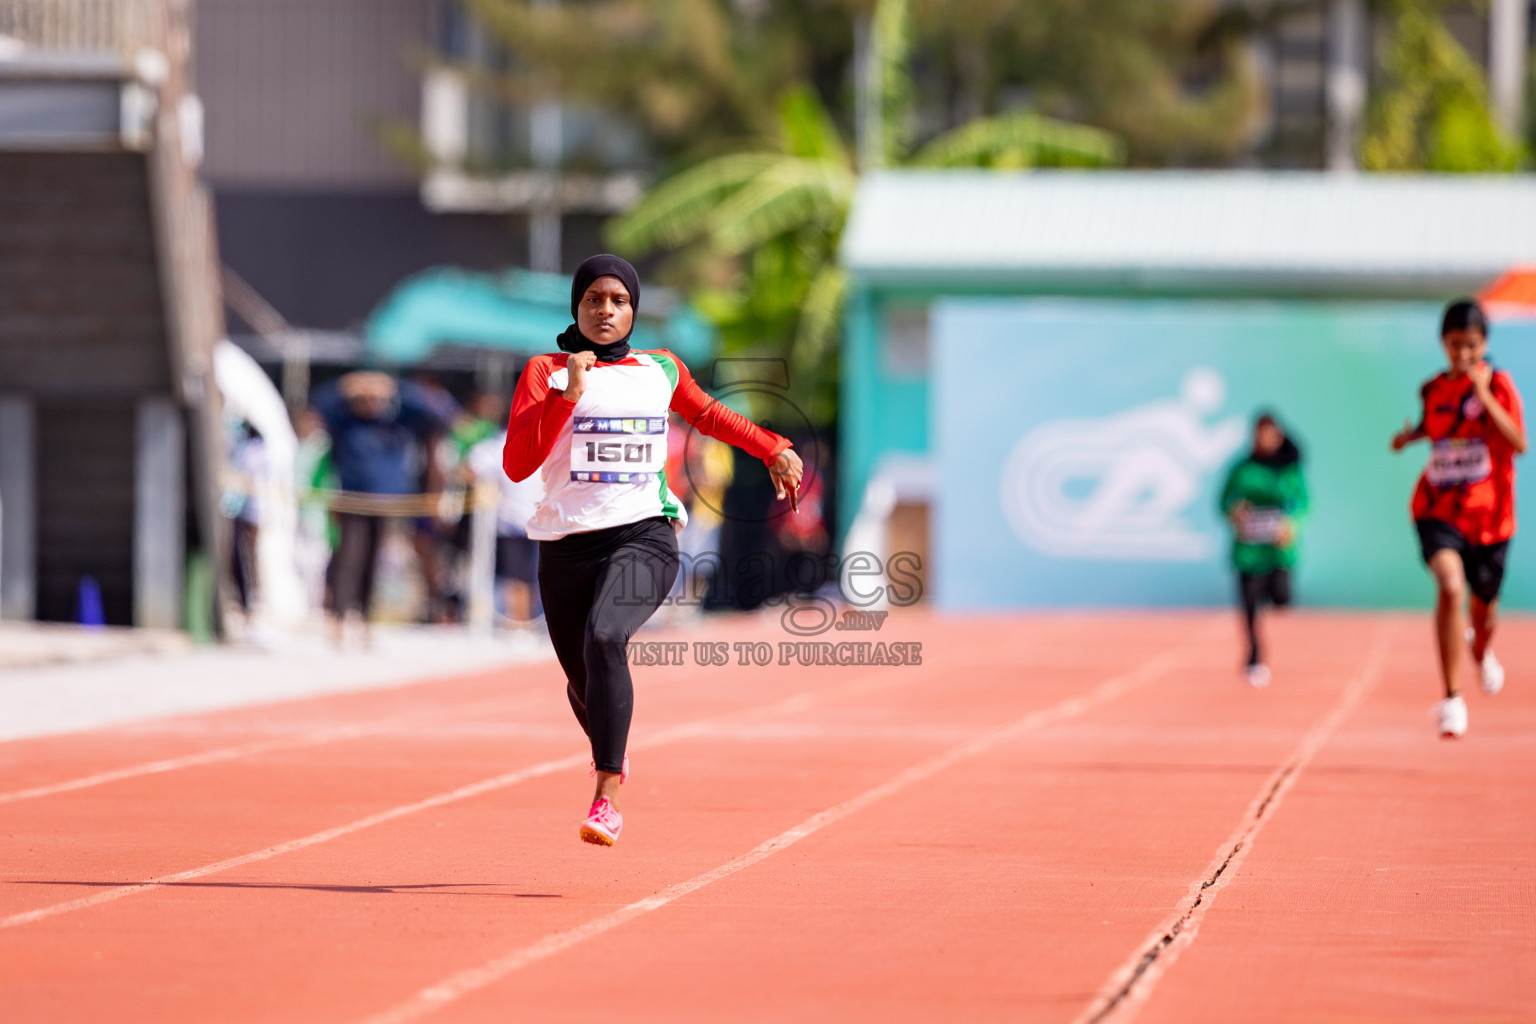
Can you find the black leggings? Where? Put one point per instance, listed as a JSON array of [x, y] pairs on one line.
[[598, 589], [1253, 587], [354, 563]]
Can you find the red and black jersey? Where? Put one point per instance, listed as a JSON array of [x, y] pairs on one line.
[[1469, 481]]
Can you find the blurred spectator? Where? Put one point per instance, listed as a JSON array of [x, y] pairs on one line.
[[317, 534], [705, 468], [435, 468], [483, 417], [679, 480], [248, 459], [516, 555], [376, 424], [804, 533]]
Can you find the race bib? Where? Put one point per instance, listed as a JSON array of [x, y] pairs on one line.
[[618, 451], [1261, 526], [1458, 460]]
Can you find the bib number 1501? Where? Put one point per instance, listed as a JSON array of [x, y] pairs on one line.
[[619, 451]]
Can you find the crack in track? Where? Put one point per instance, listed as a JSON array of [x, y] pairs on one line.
[[1127, 992]]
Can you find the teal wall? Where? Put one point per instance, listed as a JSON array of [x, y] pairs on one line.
[[882, 409], [1086, 473]]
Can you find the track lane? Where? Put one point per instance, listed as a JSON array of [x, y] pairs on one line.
[[1133, 983], [1398, 883], [42, 766], [286, 795], [468, 982], [924, 908], [513, 853], [881, 914]]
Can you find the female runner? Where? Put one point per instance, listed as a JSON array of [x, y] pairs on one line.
[[1464, 504], [1265, 498], [593, 420]]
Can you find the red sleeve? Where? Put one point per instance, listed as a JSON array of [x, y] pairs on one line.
[[538, 416], [710, 417], [1503, 388]]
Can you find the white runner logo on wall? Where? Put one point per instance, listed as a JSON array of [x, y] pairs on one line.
[[618, 450], [1121, 486]]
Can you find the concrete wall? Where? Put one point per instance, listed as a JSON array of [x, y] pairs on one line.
[[296, 92], [83, 350]]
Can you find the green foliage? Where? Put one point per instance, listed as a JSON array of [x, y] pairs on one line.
[[891, 89], [1171, 79], [778, 214], [692, 74], [751, 213], [404, 143], [1017, 141], [1529, 128], [684, 207], [1432, 113]]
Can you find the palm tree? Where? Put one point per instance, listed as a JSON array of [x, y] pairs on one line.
[[776, 213], [685, 75], [1432, 111]]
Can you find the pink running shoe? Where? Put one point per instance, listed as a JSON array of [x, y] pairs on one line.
[[603, 824], [623, 770]]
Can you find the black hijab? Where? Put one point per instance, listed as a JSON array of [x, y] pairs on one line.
[[590, 270], [1286, 455]]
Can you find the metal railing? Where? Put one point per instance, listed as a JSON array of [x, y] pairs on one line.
[[83, 26]]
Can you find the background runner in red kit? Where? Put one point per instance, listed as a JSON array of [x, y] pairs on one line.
[[1484, 511]]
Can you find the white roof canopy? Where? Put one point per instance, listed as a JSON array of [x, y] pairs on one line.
[[1218, 231]]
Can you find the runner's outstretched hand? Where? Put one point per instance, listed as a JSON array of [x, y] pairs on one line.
[[786, 472], [1406, 436]]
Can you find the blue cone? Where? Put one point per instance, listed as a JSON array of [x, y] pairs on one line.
[[88, 610]]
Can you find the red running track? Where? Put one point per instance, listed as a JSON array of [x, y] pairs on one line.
[[1054, 818]]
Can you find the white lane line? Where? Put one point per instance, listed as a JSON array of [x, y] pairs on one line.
[[688, 730], [396, 725], [451, 796], [314, 738], [1132, 983], [791, 733], [172, 764], [766, 733], [435, 997], [399, 725]]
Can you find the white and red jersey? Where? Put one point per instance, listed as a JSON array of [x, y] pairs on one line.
[[603, 458]]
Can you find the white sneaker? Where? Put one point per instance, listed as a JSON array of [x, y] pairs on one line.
[[1258, 676], [1453, 717], [1493, 674]]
